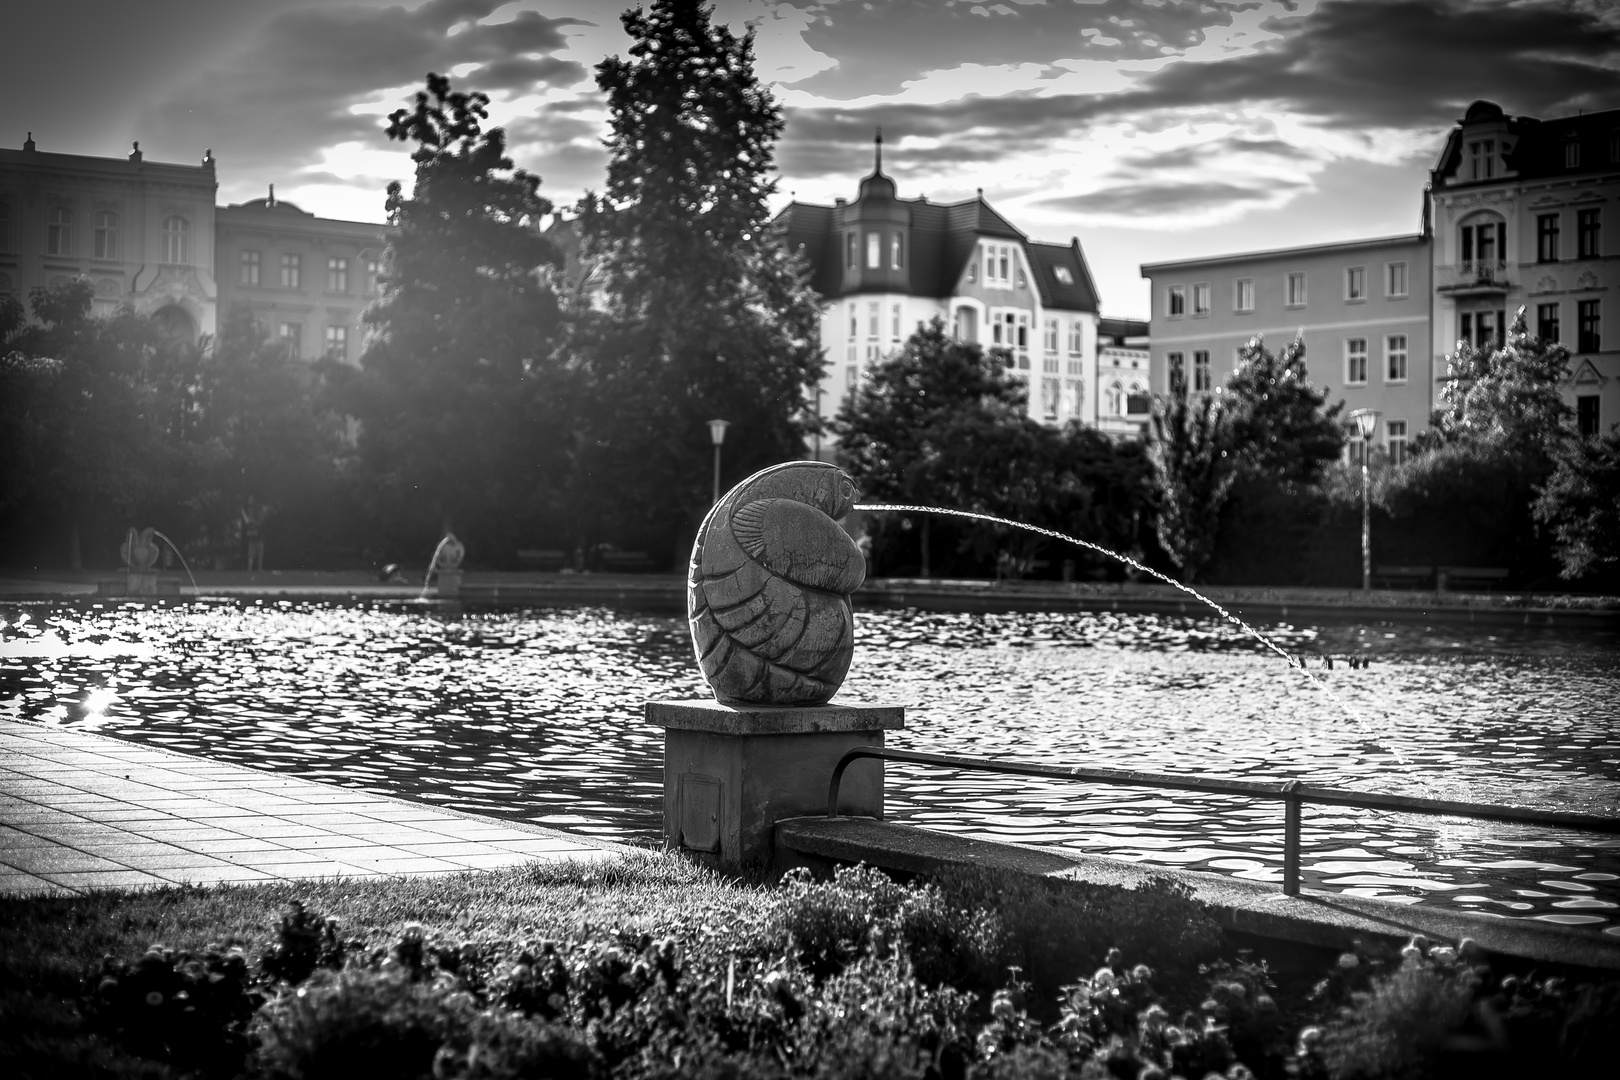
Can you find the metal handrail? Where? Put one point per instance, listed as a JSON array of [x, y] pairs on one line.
[[1293, 793]]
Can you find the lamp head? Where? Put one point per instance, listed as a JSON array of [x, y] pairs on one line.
[[1366, 421], [717, 430]]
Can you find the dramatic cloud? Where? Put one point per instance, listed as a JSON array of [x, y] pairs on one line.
[[1148, 198]]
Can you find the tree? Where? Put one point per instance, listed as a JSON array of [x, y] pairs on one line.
[[706, 315], [1580, 502], [457, 397], [1190, 447], [942, 423], [1278, 425], [1507, 397]]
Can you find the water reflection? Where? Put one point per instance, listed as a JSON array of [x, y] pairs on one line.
[[537, 714]]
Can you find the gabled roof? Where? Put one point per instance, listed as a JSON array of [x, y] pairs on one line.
[[1050, 263]]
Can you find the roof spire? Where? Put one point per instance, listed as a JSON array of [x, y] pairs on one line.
[[877, 141], [271, 201]]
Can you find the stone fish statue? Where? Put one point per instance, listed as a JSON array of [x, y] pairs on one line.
[[768, 592]]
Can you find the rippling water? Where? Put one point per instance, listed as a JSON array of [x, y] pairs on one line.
[[537, 714]]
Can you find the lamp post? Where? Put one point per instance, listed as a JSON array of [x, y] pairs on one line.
[[1366, 423], [717, 433]]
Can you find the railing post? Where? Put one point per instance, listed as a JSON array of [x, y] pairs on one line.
[[1292, 802]]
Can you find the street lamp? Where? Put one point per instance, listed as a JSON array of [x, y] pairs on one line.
[[717, 433], [1366, 423]]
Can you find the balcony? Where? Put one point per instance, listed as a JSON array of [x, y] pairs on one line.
[[1480, 277], [1138, 405]]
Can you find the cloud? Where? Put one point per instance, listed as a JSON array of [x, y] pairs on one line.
[[1173, 198], [311, 79]]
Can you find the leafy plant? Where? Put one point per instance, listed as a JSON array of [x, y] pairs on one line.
[[191, 1011]]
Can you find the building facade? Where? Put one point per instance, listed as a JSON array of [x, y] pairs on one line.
[[305, 279], [141, 231], [1362, 309], [1525, 215], [1124, 377], [884, 266]]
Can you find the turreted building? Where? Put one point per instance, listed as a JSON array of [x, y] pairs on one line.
[[884, 266]]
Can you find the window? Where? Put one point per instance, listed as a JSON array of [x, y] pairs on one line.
[[373, 276], [1480, 328], [1049, 398], [292, 271], [1588, 328], [1589, 233], [1586, 415], [250, 268], [292, 334], [337, 275], [1244, 298], [176, 240], [1483, 243], [874, 250], [854, 323], [1572, 152], [1077, 338], [851, 373], [894, 323], [1201, 379], [1296, 290], [851, 248], [1396, 440], [1178, 301], [874, 319], [1355, 283], [1200, 299], [59, 232], [897, 251], [1395, 357], [1355, 361], [337, 342], [1050, 336], [1395, 279], [1064, 276], [1547, 323], [1176, 362], [1116, 399], [1482, 159], [1074, 393], [106, 235], [1546, 238], [1004, 264]]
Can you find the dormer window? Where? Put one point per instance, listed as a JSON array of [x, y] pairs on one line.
[[874, 250], [1572, 152], [1063, 275], [897, 251], [850, 247], [1482, 159]]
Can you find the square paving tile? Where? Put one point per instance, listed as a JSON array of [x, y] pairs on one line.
[[170, 859], [212, 875], [320, 870], [181, 833], [492, 860], [29, 885], [235, 844], [365, 854], [14, 838], [52, 860], [103, 879], [269, 859], [537, 843], [452, 849]]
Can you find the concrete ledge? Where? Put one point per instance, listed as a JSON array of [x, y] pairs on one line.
[[1329, 920], [712, 716]]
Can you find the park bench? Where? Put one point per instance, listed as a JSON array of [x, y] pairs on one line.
[[542, 559], [612, 560], [1469, 578], [1403, 577]]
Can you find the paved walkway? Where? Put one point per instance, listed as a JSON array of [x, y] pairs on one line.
[[81, 811]]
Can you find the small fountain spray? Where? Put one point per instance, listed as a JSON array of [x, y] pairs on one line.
[[447, 561], [140, 559]]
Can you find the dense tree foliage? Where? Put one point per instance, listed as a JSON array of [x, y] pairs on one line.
[[1279, 427], [1191, 450], [1580, 504], [706, 316], [1507, 397], [457, 398]]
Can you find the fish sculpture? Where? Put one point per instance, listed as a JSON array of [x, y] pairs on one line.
[[768, 591]]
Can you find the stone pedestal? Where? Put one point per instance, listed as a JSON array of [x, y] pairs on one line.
[[731, 772], [141, 583], [449, 583]]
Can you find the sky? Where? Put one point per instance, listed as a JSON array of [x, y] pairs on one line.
[[1152, 130]]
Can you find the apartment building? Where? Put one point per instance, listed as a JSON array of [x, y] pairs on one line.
[[884, 266], [1124, 379], [142, 232], [1362, 308], [306, 279], [1525, 215]]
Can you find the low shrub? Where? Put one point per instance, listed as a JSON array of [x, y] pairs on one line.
[[185, 1010]]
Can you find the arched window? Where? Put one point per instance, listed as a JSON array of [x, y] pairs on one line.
[[1116, 403], [59, 231], [176, 240], [106, 235]]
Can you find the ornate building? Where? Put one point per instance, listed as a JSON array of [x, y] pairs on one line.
[[1525, 215], [142, 232], [884, 265]]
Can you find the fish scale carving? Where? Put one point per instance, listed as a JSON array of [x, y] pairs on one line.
[[769, 585]]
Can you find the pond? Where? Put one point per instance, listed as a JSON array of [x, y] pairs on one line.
[[537, 714]]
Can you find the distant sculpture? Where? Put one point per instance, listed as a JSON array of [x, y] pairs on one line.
[[768, 592], [139, 551]]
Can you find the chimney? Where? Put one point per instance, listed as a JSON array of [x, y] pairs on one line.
[[135, 152], [271, 201], [28, 144], [840, 201], [208, 156]]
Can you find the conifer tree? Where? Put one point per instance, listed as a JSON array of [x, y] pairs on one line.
[[1279, 426], [1190, 448], [707, 316]]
